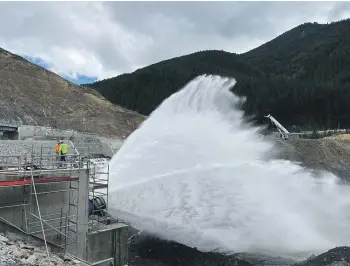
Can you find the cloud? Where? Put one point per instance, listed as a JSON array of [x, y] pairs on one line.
[[104, 39]]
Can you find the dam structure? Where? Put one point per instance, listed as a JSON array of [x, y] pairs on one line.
[[63, 204]]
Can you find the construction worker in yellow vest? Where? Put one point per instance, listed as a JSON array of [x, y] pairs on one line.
[[63, 151]]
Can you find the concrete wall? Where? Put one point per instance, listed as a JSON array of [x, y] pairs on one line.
[[44, 151], [11, 196], [109, 243], [25, 132], [51, 205], [54, 205], [85, 143]]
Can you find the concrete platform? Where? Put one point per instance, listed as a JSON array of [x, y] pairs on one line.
[[108, 246]]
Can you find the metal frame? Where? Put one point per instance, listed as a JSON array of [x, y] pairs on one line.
[[49, 172], [58, 228], [41, 221], [99, 179]]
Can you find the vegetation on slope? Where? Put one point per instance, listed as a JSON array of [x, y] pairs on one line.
[[301, 77]]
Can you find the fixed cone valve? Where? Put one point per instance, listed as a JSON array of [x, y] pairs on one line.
[[96, 206]]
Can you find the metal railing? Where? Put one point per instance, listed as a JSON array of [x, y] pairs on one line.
[[40, 167]]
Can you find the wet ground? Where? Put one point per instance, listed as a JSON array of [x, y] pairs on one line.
[[145, 250]]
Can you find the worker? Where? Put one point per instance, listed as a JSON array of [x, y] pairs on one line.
[[63, 151], [57, 149]]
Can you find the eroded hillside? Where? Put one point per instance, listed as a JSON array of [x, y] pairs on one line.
[[33, 95], [329, 154]]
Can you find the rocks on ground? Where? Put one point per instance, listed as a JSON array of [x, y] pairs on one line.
[[15, 251]]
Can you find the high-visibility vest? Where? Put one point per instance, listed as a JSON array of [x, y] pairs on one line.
[[57, 147], [64, 148]]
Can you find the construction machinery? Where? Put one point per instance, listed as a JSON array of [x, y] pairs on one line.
[[283, 131]]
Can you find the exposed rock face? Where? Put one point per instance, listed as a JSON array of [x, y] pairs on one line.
[[32, 95]]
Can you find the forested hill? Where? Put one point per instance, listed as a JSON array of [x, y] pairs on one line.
[[302, 77]]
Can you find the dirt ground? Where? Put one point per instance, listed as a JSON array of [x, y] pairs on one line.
[[331, 154]]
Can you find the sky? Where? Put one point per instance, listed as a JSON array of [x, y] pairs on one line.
[[88, 41]]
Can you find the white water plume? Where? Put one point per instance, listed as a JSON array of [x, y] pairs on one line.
[[195, 173]]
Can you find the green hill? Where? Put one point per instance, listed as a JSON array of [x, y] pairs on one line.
[[302, 77]]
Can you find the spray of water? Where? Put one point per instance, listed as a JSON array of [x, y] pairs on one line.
[[195, 173]]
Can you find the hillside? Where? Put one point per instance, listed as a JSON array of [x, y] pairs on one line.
[[322, 49], [33, 95], [301, 77], [144, 89], [320, 154]]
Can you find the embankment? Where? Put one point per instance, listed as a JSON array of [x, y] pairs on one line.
[[320, 154]]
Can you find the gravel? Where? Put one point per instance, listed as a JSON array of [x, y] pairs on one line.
[[14, 251]]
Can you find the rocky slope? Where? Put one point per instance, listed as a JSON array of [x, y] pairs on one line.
[[321, 154], [32, 95]]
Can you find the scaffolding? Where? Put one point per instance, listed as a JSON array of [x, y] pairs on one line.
[[38, 175], [98, 189]]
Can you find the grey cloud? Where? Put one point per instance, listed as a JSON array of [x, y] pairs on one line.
[[227, 18], [46, 21], [109, 56], [339, 9], [207, 23], [123, 35]]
